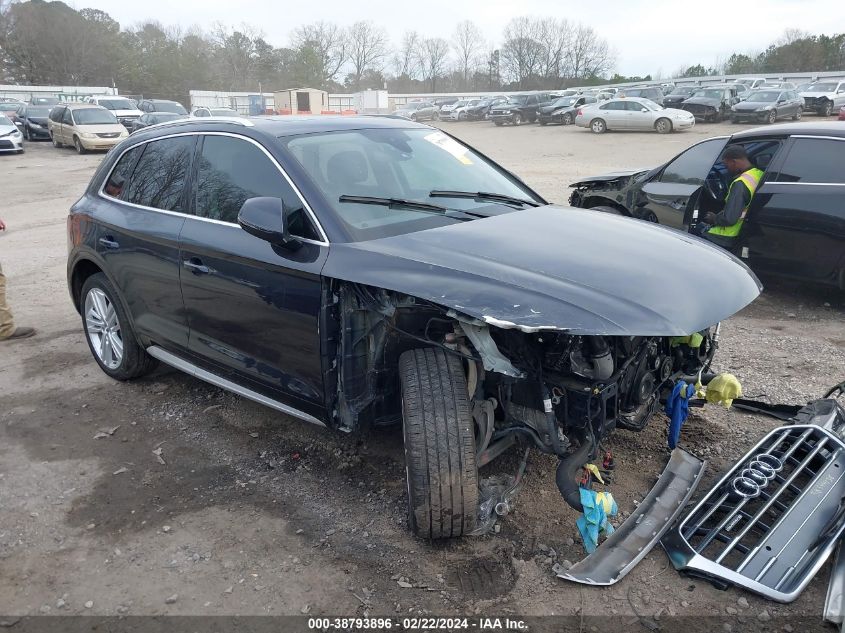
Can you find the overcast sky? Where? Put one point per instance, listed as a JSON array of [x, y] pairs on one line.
[[649, 36]]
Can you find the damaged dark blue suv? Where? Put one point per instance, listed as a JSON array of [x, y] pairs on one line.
[[355, 271]]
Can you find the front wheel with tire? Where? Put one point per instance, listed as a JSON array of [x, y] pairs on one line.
[[598, 126], [773, 116], [109, 332], [80, 148], [439, 435], [663, 126], [517, 119], [827, 109], [567, 119], [797, 115]]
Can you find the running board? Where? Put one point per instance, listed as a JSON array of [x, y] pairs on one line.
[[197, 372]]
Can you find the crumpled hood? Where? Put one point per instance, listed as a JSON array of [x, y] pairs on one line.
[[703, 101], [558, 268], [613, 175]]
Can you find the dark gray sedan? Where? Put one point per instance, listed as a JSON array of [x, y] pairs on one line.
[[768, 106], [419, 111]]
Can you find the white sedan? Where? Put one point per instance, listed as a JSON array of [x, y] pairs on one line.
[[633, 114], [11, 139]]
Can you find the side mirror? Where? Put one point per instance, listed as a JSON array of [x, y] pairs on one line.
[[644, 110], [266, 219]]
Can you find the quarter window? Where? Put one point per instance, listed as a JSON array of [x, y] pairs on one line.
[[67, 119], [815, 160], [233, 170], [118, 179], [692, 167], [159, 176]]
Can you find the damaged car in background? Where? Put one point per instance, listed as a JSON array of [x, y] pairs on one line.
[[364, 271], [795, 226], [712, 103]]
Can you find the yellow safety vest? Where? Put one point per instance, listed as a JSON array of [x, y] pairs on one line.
[[750, 179]]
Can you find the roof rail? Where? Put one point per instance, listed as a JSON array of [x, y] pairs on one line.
[[204, 119]]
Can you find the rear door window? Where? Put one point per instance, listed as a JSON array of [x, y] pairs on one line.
[[159, 177], [815, 160], [67, 119], [231, 171]]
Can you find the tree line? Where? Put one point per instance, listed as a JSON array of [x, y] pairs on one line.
[[49, 42]]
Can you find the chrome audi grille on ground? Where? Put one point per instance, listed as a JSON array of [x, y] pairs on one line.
[[773, 520]]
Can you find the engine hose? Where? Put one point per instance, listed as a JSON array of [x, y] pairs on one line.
[[567, 471]]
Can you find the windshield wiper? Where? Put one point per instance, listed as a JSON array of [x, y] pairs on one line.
[[394, 203], [483, 195]]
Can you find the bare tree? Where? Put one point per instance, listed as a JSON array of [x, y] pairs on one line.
[[367, 44], [433, 59], [522, 52], [555, 36], [468, 43], [236, 51], [589, 55], [406, 60], [322, 48]]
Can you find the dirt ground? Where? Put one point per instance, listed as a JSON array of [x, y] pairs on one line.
[[255, 514]]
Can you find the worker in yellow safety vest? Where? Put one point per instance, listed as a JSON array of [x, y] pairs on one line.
[[724, 227]]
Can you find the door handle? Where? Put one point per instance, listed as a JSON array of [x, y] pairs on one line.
[[109, 242], [196, 266]]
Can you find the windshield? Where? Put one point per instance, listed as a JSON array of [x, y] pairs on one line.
[[565, 101], [634, 92], [518, 99], [709, 94], [4, 121], [38, 111], [685, 92], [402, 164], [115, 104], [764, 96], [416, 105], [461, 103], [93, 116], [821, 88], [45, 100], [170, 106], [9, 107], [651, 105]]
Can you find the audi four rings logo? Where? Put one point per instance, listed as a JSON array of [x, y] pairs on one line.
[[756, 476]]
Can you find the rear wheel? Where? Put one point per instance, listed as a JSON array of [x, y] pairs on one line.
[[598, 126], [498, 123], [663, 126], [109, 332], [439, 438], [797, 115]]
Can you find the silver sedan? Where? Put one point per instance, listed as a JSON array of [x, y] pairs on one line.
[[11, 139], [632, 114]]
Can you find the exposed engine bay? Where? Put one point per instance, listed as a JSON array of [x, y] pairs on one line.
[[561, 393]]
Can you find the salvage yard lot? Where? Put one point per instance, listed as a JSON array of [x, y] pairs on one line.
[[253, 513]]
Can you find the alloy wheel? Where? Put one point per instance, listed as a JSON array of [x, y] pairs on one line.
[[103, 328]]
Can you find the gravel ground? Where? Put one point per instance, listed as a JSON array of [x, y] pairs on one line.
[[254, 514]]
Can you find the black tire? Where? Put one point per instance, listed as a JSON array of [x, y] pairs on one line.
[[498, 123], [773, 117], [516, 119], [567, 119], [80, 149], [663, 126], [598, 126], [439, 436], [135, 362], [797, 115], [827, 109], [607, 209], [734, 120], [20, 151], [56, 144], [26, 133], [543, 123], [435, 116]]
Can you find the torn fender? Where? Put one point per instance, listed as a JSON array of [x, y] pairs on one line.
[[558, 268]]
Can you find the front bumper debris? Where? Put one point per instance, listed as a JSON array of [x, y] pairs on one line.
[[773, 520], [632, 540]]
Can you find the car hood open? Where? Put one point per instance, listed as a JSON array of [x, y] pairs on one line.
[[558, 268]]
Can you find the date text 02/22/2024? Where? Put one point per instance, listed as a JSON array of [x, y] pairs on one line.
[[417, 624]]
